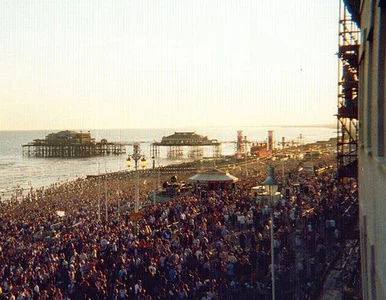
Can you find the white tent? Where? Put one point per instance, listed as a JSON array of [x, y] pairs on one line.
[[213, 179], [213, 176]]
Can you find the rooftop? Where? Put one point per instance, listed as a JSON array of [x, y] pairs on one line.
[[188, 138]]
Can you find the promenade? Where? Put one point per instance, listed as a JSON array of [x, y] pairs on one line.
[[77, 241]]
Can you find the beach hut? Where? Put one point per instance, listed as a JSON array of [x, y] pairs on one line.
[[213, 180]]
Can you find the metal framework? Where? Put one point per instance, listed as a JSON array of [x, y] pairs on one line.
[[176, 143], [196, 152], [347, 117]]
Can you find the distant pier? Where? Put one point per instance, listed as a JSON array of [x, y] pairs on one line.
[[190, 139], [71, 144]]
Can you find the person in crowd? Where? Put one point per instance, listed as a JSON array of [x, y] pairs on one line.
[[185, 248]]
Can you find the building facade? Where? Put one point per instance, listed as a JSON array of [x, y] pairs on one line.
[[371, 150]]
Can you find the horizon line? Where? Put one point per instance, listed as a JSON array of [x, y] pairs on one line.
[[184, 127]]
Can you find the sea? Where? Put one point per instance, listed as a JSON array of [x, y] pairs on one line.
[[21, 173]]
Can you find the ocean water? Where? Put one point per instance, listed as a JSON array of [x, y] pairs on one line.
[[18, 172]]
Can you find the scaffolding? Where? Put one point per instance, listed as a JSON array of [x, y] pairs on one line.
[[347, 122], [347, 117]]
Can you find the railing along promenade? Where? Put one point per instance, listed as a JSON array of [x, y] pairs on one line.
[[147, 172]]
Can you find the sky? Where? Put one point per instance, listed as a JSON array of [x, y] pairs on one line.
[[95, 64]]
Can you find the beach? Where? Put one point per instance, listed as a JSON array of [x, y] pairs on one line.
[[18, 172], [79, 240]]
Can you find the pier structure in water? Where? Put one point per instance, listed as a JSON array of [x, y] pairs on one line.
[[176, 142], [71, 144]]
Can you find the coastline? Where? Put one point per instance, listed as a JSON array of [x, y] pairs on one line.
[[237, 167], [22, 174]]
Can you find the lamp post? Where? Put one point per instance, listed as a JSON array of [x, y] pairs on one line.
[[106, 210], [155, 183], [272, 189], [245, 155], [282, 159], [99, 193], [136, 156]]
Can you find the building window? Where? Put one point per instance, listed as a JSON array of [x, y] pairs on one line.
[[381, 92], [361, 99], [369, 83]]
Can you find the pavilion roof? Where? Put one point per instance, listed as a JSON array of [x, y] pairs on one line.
[[213, 175]]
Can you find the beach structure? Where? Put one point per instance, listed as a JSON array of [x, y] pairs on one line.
[[71, 144], [241, 145], [270, 142], [260, 150], [176, 142], [213, 179]]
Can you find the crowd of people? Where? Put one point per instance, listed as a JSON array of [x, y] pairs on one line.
[[67, 242]]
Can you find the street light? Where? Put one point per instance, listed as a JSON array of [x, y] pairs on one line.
[[128, 162], [245, 155], [99, 193], [143, 162], [155, 183], [272, 189], [136, 156], [283, 143], [106, 210]]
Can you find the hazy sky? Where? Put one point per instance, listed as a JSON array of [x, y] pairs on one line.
[[89, 64]]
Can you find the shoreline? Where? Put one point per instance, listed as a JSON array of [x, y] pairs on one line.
[[228, 162]]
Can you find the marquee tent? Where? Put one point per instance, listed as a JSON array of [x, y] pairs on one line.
[[213, 179]]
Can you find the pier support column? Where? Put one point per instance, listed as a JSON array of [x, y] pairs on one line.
[[175, 151], [196, 152], [154, 150], [217, 151]]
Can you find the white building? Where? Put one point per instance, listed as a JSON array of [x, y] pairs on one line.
[[371, 148]]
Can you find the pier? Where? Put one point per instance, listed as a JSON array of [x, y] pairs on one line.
[[71, 144], [177, 141]]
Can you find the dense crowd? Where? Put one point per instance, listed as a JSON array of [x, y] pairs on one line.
[[212, 246]]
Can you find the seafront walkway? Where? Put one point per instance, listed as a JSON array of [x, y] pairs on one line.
[[75, 241]]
